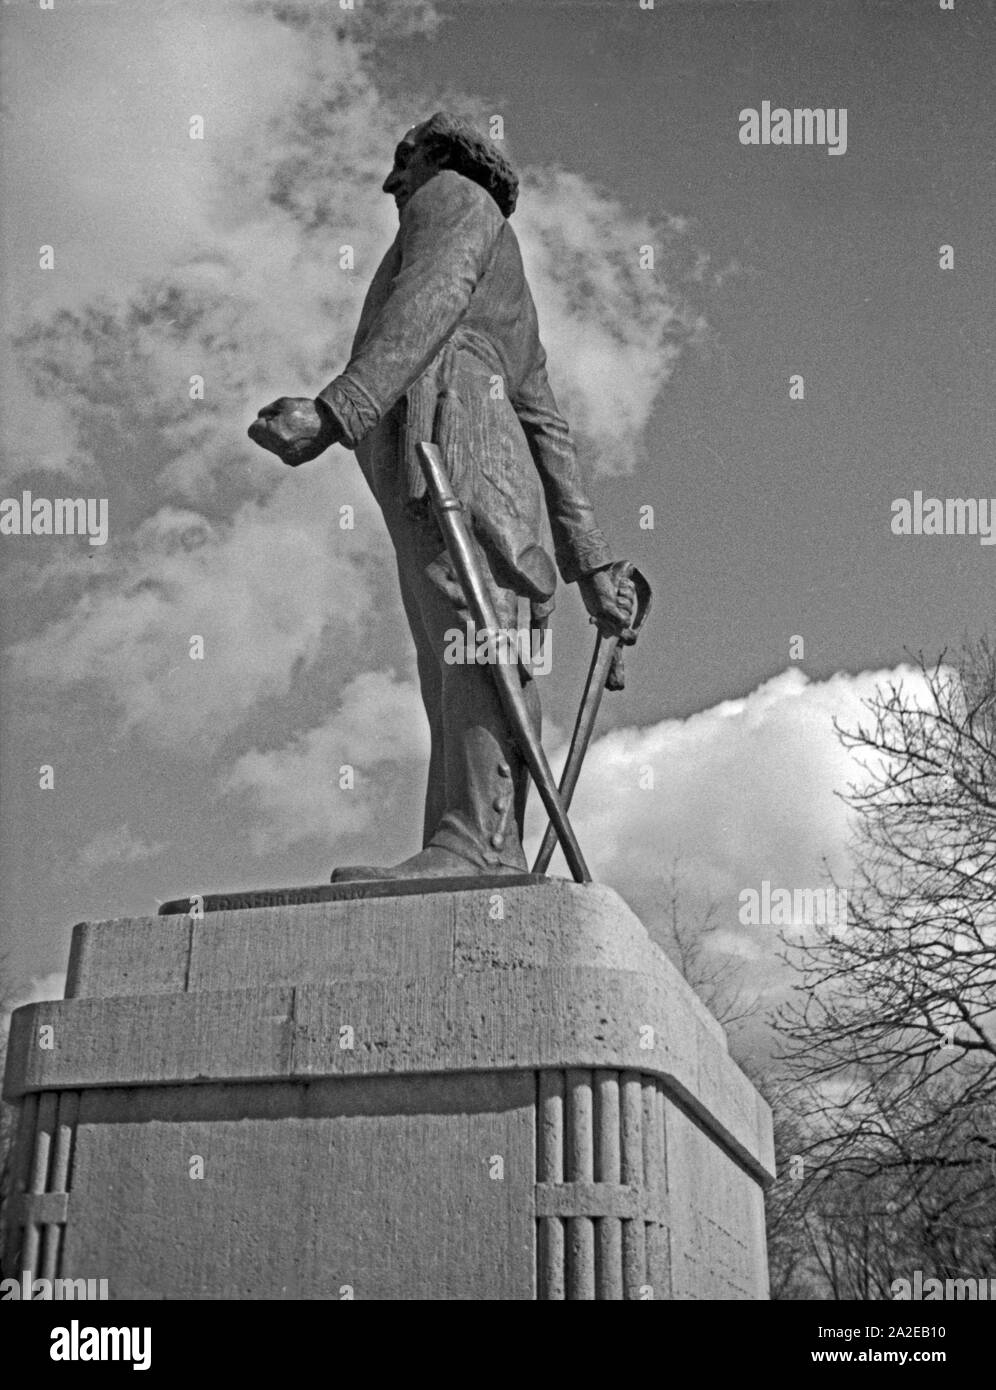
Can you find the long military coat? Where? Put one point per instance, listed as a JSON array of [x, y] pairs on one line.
[[449, 307]]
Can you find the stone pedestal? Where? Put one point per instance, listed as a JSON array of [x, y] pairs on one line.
[[477, 1094]]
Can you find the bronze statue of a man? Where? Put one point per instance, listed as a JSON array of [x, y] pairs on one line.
[[447, 350]]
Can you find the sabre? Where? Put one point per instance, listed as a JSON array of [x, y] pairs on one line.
[[449, 513], [604, 672]]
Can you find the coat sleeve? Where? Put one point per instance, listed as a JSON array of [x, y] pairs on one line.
[[448, 232], [578, 543]]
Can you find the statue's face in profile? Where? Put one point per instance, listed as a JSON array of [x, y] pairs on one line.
[[413, 166]]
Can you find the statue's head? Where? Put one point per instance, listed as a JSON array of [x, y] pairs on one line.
[[447, 142]]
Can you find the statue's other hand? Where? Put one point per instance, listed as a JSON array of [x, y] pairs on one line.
[[610, 601], [294, 428]]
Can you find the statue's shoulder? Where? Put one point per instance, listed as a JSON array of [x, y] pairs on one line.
[[451, 194]]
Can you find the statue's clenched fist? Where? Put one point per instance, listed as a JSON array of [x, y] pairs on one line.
[[295, 428]]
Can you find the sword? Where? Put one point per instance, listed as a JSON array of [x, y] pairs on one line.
[[452, 522], [604, 672]]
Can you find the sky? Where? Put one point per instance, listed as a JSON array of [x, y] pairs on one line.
[[219, 258]]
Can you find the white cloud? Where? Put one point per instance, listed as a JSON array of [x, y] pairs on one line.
[[37, 989], [613, 331], [224, 253], [265, 593], [248, 224], [744, 791], [117, 846], [380, 731]]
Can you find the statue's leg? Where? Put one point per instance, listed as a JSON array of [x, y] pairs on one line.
[[486, 776], [413, 551], [478, 781], [479, 777], [430, 679]]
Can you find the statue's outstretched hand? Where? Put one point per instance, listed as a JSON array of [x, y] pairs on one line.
[[611, 601], [295, 428]]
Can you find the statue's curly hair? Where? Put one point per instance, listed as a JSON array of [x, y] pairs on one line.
[[458, 146]]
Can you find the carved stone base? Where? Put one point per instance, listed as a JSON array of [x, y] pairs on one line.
[[498, 1093]]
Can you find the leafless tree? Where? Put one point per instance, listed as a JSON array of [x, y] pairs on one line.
[[846, 1222], [904, 996], [686, 940], [891, 1050]]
